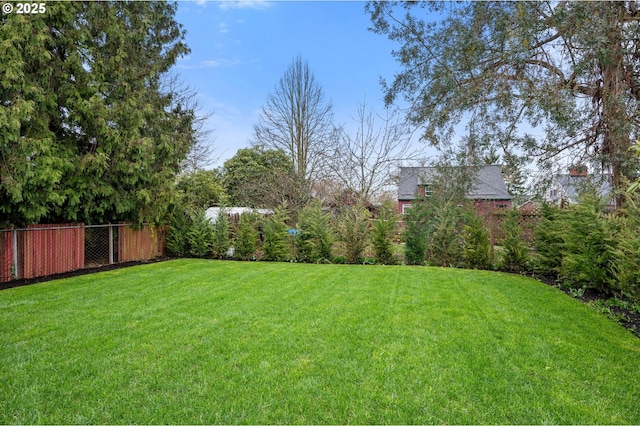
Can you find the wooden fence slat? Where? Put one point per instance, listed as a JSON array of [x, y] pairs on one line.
[[6, 255]]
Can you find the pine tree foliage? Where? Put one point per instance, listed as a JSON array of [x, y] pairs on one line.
[[89, 130], [314, 241], [415, 234], [199, 235], [177, 241], [277, 246], [383, 231], [549, 240], [568, 68], [477, 248], [245, 242], [626, 252], [353, 231], [588, 243], [515, 256], [445, 234], [220, 238]]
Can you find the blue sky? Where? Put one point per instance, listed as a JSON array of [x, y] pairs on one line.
[[240, 49]]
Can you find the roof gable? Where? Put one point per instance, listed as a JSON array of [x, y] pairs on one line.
[[489, 183]]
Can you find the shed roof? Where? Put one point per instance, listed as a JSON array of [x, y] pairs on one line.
[[213, 212]]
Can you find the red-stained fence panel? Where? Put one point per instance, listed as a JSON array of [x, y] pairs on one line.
[[51, 249], [7, 268]]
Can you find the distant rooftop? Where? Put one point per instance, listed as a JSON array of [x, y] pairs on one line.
[[489, 183]]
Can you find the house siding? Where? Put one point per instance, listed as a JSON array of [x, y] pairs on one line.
[[483, 207]]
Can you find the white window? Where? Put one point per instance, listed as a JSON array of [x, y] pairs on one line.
[[425, 190], [406, 207]]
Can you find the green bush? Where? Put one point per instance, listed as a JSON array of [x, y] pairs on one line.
[[314, 240], [549, 241], [245, 242], [179, 223], [384, 228], [199, 235], [588, 246], [444, 234], [415, 234], [515, 254], [276, 244], [221, 240], [477, 247], [353, 231], [626, 253]]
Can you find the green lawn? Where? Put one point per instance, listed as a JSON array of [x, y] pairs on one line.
[[196, 341]]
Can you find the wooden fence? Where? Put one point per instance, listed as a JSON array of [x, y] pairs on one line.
[[144, 244], [42, 250], [527, 220]]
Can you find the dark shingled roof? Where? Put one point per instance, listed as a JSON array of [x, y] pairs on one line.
[[489, 184]]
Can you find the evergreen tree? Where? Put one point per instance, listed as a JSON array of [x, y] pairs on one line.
[[314, 241], [568, 67], [384, 229], [177, 240], [477, 248], [245, 243], [444, 233], [353, 232], [515, 251], [220, 239], [549, 240], [199, 235], [199, 189], [588, 244], [276, 238], [415, 233], [626, 251], [89, 130]]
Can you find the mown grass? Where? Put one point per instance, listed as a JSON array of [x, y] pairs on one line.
[[196, 341]]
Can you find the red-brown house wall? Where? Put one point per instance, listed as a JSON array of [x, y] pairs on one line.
[[483, 206]]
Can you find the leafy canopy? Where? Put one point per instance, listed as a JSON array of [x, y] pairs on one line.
[[89, 131], [567, 68]]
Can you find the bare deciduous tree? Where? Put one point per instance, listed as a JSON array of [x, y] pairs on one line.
[[202, 153], [297, 119], [362, 160]]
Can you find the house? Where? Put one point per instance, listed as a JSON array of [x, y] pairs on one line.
[[489, 191], [566, 188]]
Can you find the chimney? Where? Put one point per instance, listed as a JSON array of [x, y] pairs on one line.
[[578, 170]]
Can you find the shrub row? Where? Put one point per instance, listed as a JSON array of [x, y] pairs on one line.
[[588, 247], [583, 245], [317, 237]]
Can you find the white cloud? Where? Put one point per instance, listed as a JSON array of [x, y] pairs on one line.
[[213, 63], [222, 62], [223, 28], [244, 4]]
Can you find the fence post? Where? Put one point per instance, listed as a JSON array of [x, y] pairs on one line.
[[15, 254], [110, 244]]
